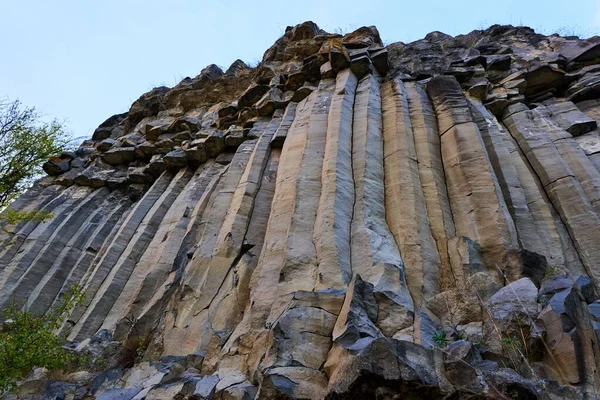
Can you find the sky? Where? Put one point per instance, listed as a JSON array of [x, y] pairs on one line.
[[82, 61]]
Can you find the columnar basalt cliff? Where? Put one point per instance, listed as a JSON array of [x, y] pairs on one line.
[[347, 220]]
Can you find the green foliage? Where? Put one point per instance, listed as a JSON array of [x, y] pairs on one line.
[[439, 338], [510, 343], [14, 217], [26, 142], [100, 363], [28, 341]]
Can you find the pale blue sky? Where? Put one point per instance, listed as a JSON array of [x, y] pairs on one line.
[[85, 60]]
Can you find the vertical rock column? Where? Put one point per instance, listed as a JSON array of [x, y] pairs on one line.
[[224, 311], [406, 211], [480, 212], [375, 255], [155, 265], [559, 181], [37, 241], [160, 284], [431, 174], [38, 267], [538, 227], [67, 262], [334, 215], [583, 169], [222, 228], [36, 198], [288, 260], [95, 248], [110, 275], [307, 136]]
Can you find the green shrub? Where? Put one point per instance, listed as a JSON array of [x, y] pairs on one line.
[[28, 341], [439, 338]]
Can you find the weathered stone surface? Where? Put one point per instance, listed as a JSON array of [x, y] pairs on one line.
[[570, 118], [360, 65], [175, 159], [109, 127], [119, 155], [408, 224], [346, 220], [564, 171], [375, 254], [252, 95], [338, 55], [480, 211], [460, 358], [379, 58], [147, 105], [518, 296], [496, 62], [56, 166]]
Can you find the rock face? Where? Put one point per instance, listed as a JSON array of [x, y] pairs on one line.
[[344, 221]]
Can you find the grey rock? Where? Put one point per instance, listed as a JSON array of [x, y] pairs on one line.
[[185, 123], [294, 80], [360, 66], [131, 140], [339, 58], [461, 356], [137, 175], [355, 327], [524, 263], [210, 72], [236, 67], [327, 71], [154, 129], [105, 379], [517, 297], [204, 388], [147, 105], [496, 62], [106, 129], [570, 118], [56, 166], [252, 95], [135, 191], [119, 394], [106, 144], [119, 155], [175, 159], [61, 390]]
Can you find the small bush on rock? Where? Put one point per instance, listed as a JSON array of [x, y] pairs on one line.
[[439, 338], [28, 341]]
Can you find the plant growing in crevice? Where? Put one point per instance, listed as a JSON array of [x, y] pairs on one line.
[[439, 338], [460, 334]]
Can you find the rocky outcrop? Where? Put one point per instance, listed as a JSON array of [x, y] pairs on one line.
[[345, 220]]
